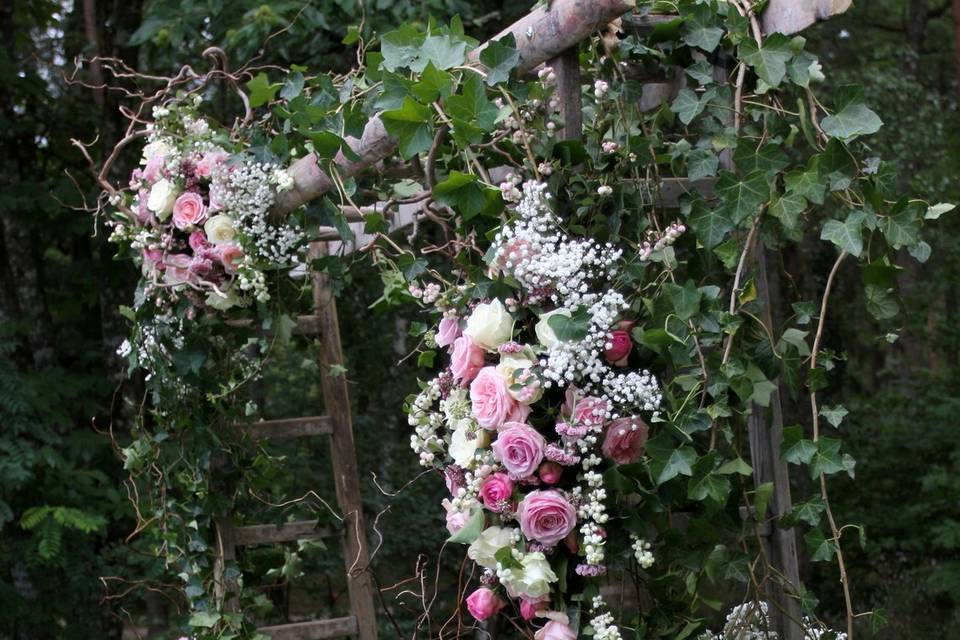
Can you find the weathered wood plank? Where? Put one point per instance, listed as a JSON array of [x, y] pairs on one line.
[[313, 630], [273, 534], [287, 428], [346, 478], [566, 66], [792, 16]]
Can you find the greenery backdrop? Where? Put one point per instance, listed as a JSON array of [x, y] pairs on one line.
[[64, 511]]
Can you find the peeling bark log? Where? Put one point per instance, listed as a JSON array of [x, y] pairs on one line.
[[540, 36], [791, 16]]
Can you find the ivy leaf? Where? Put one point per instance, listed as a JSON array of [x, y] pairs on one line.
[[788, 209], [742, 198], [848, 235], [938, 210], [293, 86], [795, 449], [711, 224], [261, 90], [471, 530], [828, 460], [401, 48], [709, 485], [852, 117], [463, 192], [500, 57], [769, 61], [762, 497], [809, 512], [701, 30], [702, 163], [701, 71], [901, 229], [834, 415], [920, 251], [880, 304], [666, 461], [796, 338], [204, 619], [571, 328], [806, 183], [434, 83], [769, 158], [688, 105], [737, 465], [821, 549], [804, 68], [685, 299], [472, 113], [412, 125], [444, 52]]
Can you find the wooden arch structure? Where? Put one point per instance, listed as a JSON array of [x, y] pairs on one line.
[[546, 35]]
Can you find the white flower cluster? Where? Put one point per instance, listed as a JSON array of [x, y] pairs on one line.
[[427, 423], [641, 551], [749, 621], [604, 626]]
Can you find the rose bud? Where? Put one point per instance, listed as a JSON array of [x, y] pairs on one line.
[[484, 603], [550, 472], [619, 346]]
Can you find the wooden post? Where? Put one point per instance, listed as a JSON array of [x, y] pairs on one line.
[[566, 66], [360, 583]]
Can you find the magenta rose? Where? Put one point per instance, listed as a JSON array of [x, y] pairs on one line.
[[447, 332], [546, 516], [619, 346], [466, 360], [188, 210], [489, 397], [496, 490], [625, 439], [484, 603], [550, 472], [555, 630], [519, 448]]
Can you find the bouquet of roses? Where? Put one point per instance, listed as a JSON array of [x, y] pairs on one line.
[[537, 401]]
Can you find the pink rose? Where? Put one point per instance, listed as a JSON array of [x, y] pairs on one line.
[[484, 603], [447, 332], [584, 411], [188, 210], [625, 439], [491, 400], [178, 269], [209, 161], [550, 472], [466, 361], [152, 169], [546, 516], [619, 347], [555, 630], [455, 519], [496, 490], [198, 241], [230, 255], [519, 447], [530, 607], [519, 413]]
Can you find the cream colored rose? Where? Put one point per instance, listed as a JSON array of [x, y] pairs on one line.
[[512, 364], [155, 148], [545, 333], [490, 325], [534, 581], [220, 229], [491, 540], [513, 367], [222, 302], [163, 195]]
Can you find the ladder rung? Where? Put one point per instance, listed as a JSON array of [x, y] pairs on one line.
[[306, 325], [271, 533], [287, 428], [313, 630]]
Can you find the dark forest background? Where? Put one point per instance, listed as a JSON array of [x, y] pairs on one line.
[[64, 511]]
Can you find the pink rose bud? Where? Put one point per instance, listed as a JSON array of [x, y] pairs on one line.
[[555, 630], [231, 255], [495, 490], [625, 439], [620, 346], [529, 607], [188, 210], [484, 603], [455, 519], [550, 472], [447, 332], [198, 241]]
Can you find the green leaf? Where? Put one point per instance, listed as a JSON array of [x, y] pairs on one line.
[[667, 462], [685, 299], [701, 71], [463, 192], [702, 163], [293, 86], [444, 52], [770, 158], [820, 548], [261, 91], [571, 328], [500, 57], [796, 338], [852, 118], [880, 304], [762, 497], [688, 105], [769, 61], [701, 29], [204, 619], [412, 125], [787, 209], [709, 485], [737, 465], [828, 460], [742, 198], [901, 229], [848, 235], [433, 84], [937, 210], [834, 415], [810, 512], [806, 183], [795, 449], [401, 48], [471, 530], [920, 251], [711, 224], [471, 112], [803, 69]]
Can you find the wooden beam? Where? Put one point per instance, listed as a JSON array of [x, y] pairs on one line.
[[566, 67], [276, 533], [792, 16], [313, 630], [287, 428], [541, 35]]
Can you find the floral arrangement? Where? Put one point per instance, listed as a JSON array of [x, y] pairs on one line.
[[537, 400], [196, 218], [751, 621]]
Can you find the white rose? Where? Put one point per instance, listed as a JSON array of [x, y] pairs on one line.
[[491, 540], [220, 229], [155, 148], [534, 581], [545, 333], [163, 194], [222, 302], [490, 325], [465, 441], [512, 363]]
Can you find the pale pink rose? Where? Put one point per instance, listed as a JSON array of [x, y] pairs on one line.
[[495, 490], [466, 360], [519, 413], [550, 472], [484, 603], [230, 255], [519, 447], [152, 256], [188, 210], [625, 439], [489, 397], [447, 332], [546, 516], [584, 410], [620, 347], [178, 269], [555, 630], [210, 161], [530, 607], [455, 519], [152, 169]]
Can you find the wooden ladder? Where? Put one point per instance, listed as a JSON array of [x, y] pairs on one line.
[[336, 424]]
